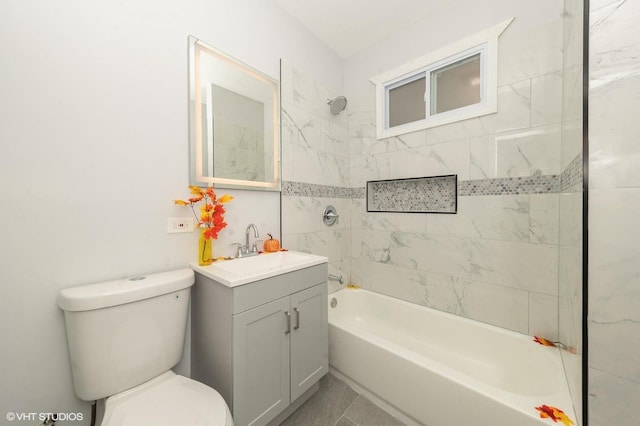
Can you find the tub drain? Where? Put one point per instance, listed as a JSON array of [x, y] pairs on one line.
[[334, 302]]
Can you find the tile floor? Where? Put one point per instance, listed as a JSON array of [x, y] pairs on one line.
[[336, 404]]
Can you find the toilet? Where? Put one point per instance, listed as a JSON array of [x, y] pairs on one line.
[[124, 337]]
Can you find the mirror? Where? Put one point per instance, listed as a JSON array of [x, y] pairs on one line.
[[234, 122]]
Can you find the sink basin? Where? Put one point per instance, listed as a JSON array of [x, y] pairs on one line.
[[249, 269]]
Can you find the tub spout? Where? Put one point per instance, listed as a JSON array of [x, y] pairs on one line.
[[336, 278]]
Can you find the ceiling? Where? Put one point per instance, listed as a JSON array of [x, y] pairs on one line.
[[348, 26]]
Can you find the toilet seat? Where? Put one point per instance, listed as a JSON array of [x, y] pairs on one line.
[[169, 400]]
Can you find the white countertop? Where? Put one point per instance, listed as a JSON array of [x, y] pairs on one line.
[[245, 270]]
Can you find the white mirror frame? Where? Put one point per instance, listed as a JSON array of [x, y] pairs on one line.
[[197, 176], [484, 42]]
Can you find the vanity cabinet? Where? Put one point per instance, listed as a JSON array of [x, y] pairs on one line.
[[262, 345]]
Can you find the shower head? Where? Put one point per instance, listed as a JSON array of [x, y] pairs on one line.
[[337, 105]]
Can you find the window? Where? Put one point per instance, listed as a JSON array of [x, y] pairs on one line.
[[406, 100], [454, 83]]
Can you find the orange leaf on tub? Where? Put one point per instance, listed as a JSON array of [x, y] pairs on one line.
[[543, 341], [555, 414]]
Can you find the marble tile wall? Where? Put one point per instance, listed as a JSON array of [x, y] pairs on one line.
[[315, 170], [614, 197], [313, 140], [496, 260]]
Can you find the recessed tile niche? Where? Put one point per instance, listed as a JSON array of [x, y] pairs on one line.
[[431, 194]]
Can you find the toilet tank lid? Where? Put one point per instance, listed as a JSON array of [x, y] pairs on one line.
[[126, 290]]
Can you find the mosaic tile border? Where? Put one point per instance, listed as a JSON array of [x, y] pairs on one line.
[[570, 180], [431, 194], [547, 184], [303, 189], [359, 192], [543, 184]]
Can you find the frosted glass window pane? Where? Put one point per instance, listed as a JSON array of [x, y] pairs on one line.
[[456, 85], [406, 102]]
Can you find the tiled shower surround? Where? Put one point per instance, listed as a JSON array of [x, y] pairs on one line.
[[508, 258], [497, 259], [512, 254]]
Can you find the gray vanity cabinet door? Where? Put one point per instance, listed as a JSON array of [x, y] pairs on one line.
[[309, 338], [261, 363]]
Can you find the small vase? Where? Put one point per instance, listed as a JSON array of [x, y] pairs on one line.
[[204, 250]]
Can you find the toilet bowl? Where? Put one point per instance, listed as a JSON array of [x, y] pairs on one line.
[[124, 337]]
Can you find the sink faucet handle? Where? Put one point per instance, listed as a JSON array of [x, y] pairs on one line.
[[239, 249], [255, 245]]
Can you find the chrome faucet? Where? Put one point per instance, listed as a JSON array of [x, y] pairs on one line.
[[247, 249], [255, 234]]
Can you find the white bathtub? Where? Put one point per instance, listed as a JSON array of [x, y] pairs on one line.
[[437, 369]]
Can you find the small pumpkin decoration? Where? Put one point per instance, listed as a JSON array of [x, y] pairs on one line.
[[271, 244]]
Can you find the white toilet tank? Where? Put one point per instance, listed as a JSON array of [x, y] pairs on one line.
[[123, 333]]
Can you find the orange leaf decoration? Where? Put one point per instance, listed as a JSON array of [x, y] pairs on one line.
[[211, 219], [555, 414], [196, 190], [543, 341]]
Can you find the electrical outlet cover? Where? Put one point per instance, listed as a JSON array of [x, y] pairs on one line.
[[179, 224]]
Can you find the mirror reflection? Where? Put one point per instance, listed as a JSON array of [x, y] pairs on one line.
[[234, 122]]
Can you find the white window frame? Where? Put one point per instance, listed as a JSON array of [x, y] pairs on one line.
[[485, 43]]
